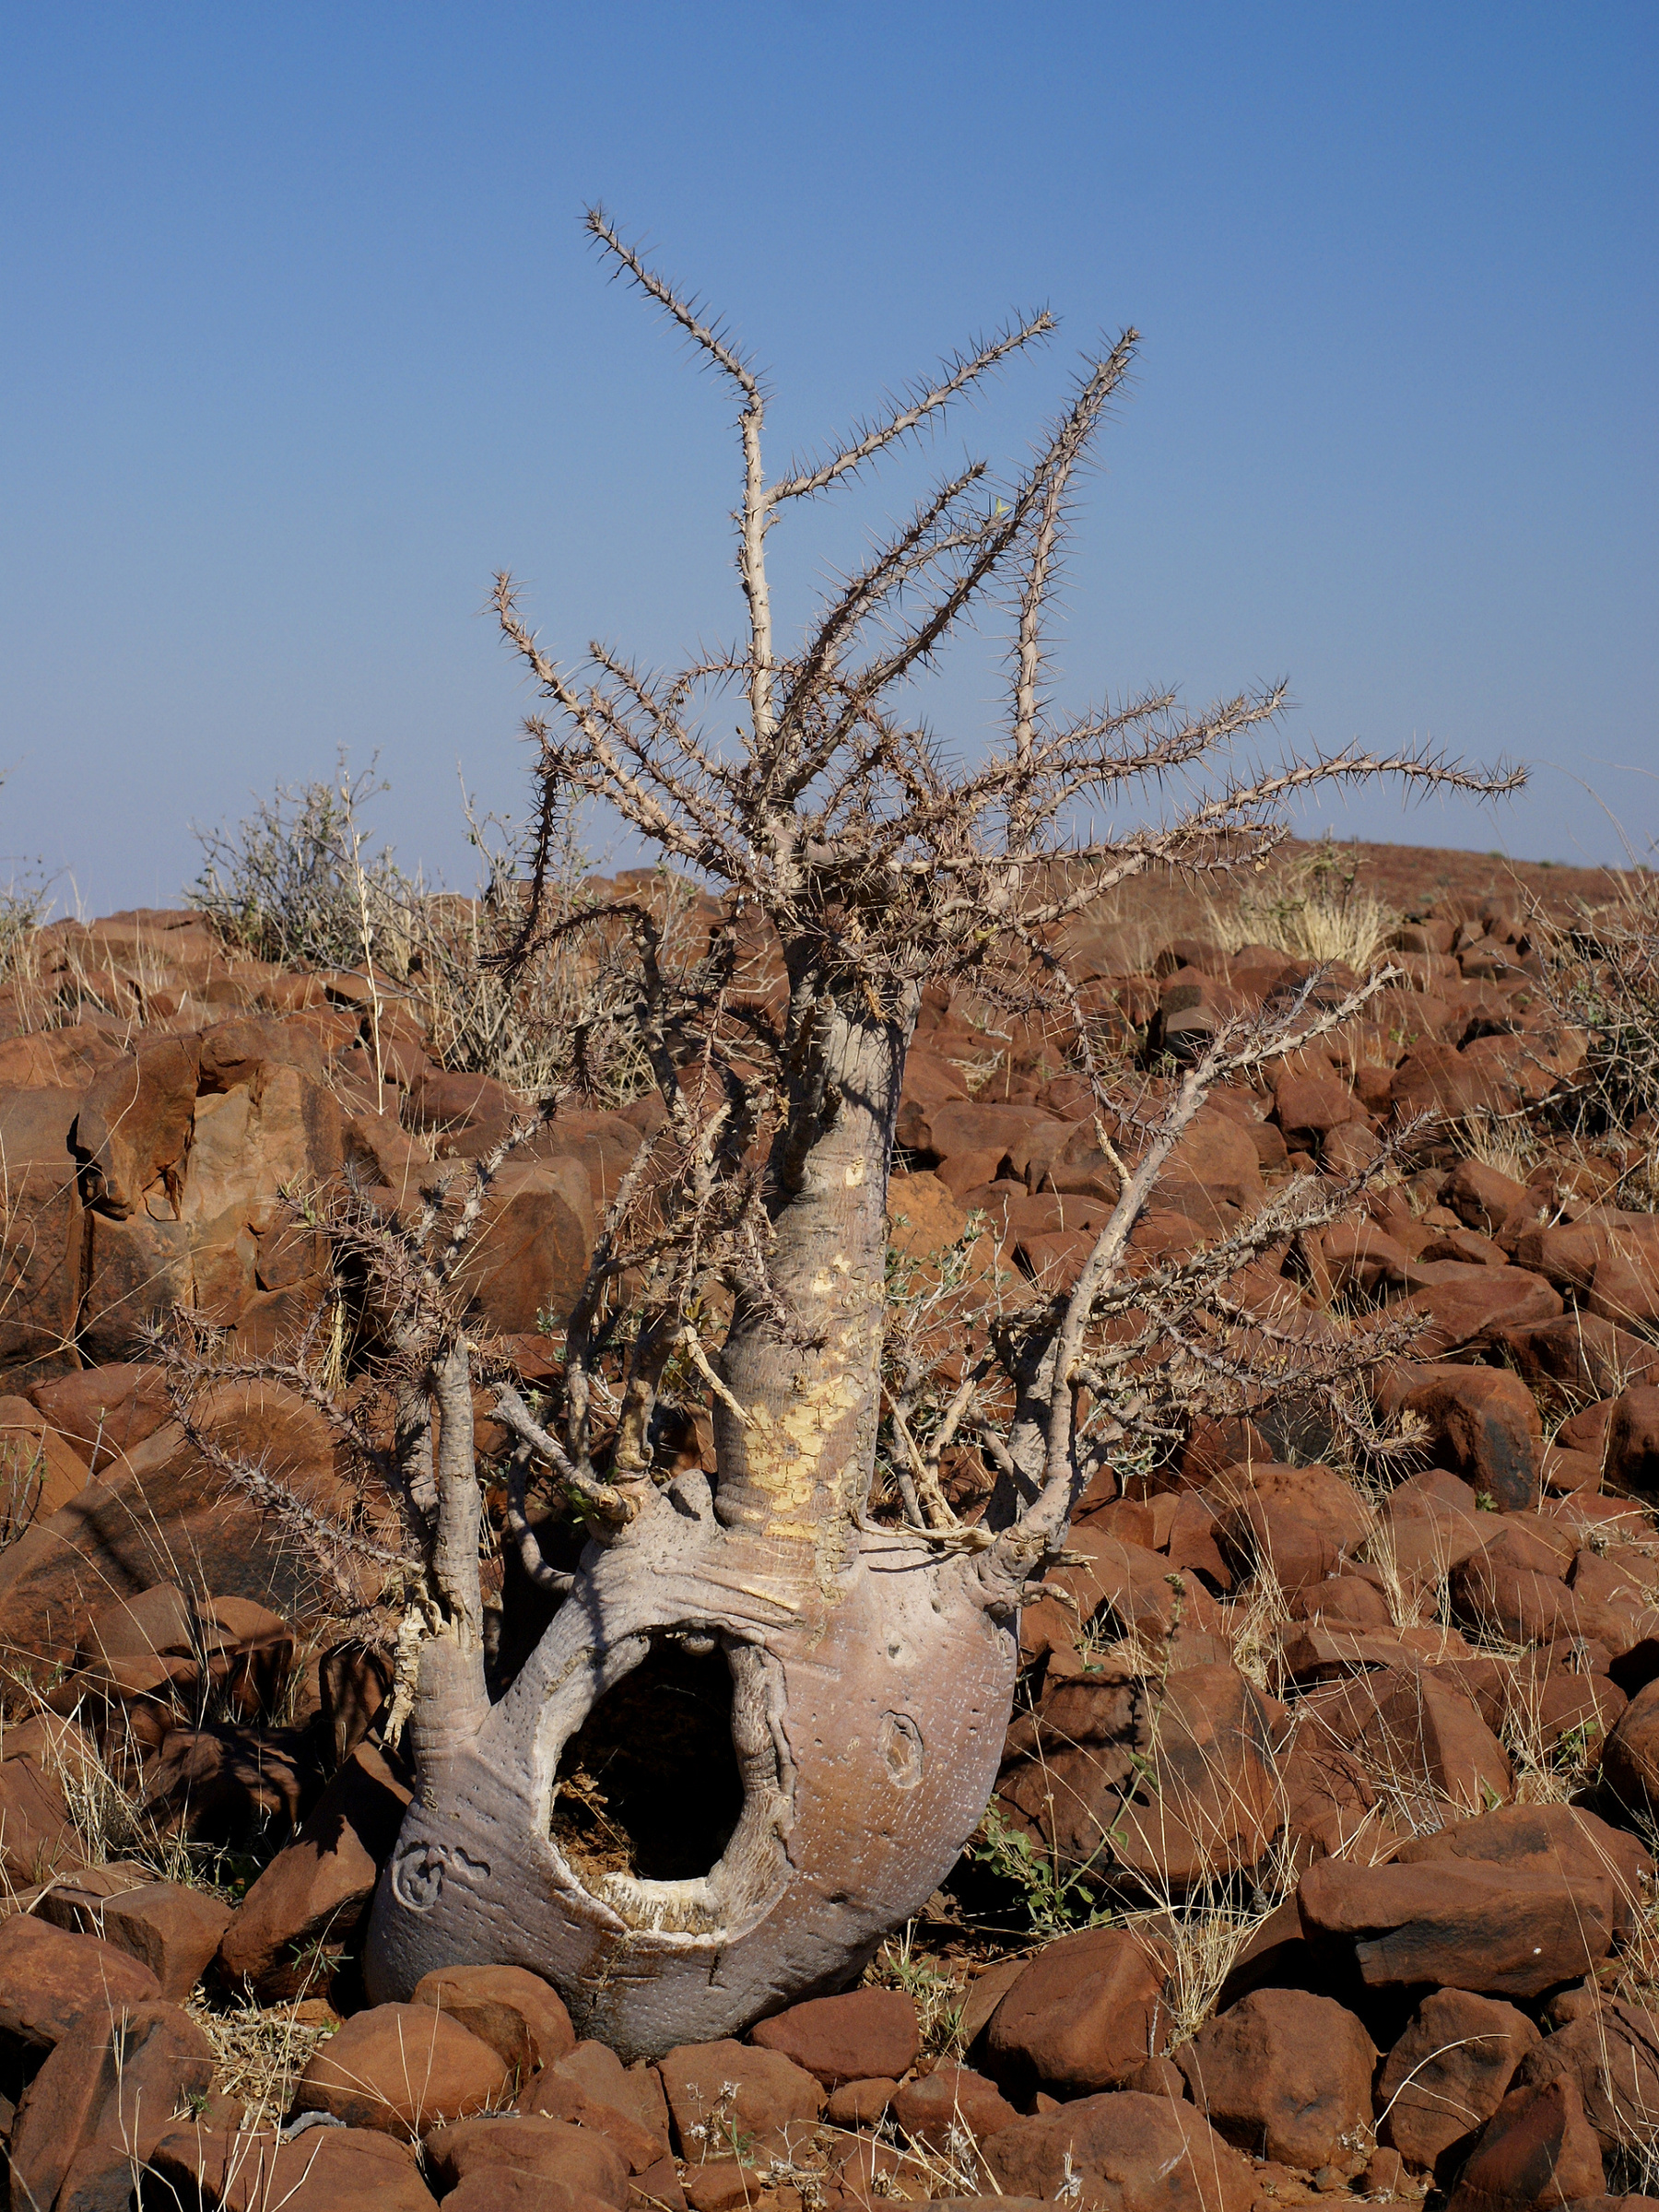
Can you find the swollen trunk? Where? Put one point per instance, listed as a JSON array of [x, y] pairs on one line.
[[869, 1685]]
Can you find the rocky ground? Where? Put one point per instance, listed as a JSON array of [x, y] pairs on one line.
[[1319, 1863]]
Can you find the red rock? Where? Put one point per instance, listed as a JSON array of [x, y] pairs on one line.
[[516, 2013], [100, 2104], [731, 2185], [1631, 1452], [1560, 1838], [354, 1681], [657, 2190], [1484, 1422], [401, 2068], [223, 1784], [1084, 2015], [1438, 1079], [1481, 1196], [985, 1993], [1065, 1764], [1625, 1287], [866, 2032], [135, 1120], [551, 2150], [129, 1528], [1578, 1358], [1611, 2051], [1467, 1924], [1344, 1601], [939, 2107], [1122, 2153], [1449, 2073], [324, 2170], [1307, 1108], [156, 1622], [173, 1930], [1159, 2077], [723, 2091], [861, 2103], [305, 1905], [556, 2095], [1126, 1588], [1515, 1587], [38, 1472], [51, 1982], [531, 1253], [635, 2090], [1466, 1307], [1537, 2148], [1210, 1803], [41, 1259], [1630, 1756], [37, 1836], [1282, 2074], [1425, 1734], [1328, 1798], [1300, 1523]]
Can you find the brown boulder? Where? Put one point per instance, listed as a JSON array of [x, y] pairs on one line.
[[1481, 1197], [636, 2090], [1612, 2053], [135, 1124], [1283, 2074], [1562, 1838], [1207, 1801], [1083, 2015], [1484, 1422], [163, 1505], [104, 1411], [401, 2068], [1630, 1451], [1578, 1358], [1449, 2073], [41, 1258], [169, 1929], [1469, 1306], [530, 1253], [1537, 2149], [939, 2107], [1066, 1763], [1408, 1726], [1630, 1756], [38, 1472], [1125, 2152], [101, 2103], [1463, 1923], [323, 2170], [51, 1982], [860, 2103], [1296, 1523], [552, 2151], [515, 2012], [868, 2031], [37, 1837], [724, 2090], [299, 1915], [555, 2094]]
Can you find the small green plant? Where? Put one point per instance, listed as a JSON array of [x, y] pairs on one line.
[[1055, 1900], [901, 1964]]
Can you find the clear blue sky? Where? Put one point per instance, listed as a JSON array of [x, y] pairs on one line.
[[300, 339]]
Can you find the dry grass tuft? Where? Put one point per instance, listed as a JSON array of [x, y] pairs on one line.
[[261, 2052]]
